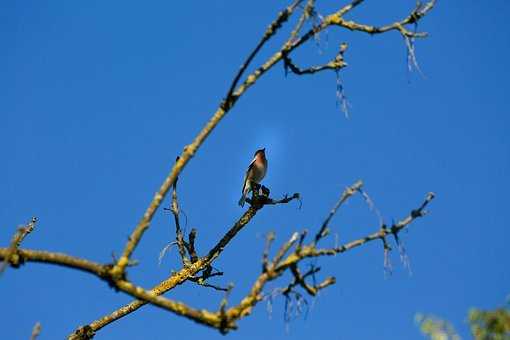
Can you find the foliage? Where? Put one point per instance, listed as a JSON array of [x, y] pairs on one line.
[[484, 324], [490, 325], [436, 328]]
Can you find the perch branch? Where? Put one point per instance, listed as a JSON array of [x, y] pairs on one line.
[[118, 271], [182, 275]]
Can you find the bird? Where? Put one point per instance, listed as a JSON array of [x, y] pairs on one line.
[[254, 174]]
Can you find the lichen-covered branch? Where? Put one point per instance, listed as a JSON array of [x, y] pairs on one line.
[[22, 256], [276, 269], [419, 12], [179, 277], [225, 320]]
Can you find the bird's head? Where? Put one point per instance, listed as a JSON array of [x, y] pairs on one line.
[[261, 152]]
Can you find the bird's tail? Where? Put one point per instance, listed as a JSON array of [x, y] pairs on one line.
[[242, 200]]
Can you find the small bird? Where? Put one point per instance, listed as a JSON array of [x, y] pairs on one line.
[[254, 174]]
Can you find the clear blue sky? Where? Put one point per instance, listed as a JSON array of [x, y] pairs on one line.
[[97, 99]]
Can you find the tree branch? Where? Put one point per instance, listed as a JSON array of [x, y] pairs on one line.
[[283, 16], [224, 319], [419, 12], [336, 64], [349, 191], [29, 255], [11, 255], [179, 277], [118, 271], [255, 295], [179, 238]]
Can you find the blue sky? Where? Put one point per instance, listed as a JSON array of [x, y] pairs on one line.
[[97, 99]]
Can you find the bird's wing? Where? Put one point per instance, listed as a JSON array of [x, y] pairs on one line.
[[247, 172]]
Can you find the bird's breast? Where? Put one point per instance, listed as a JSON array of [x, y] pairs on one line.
[[258, 171]]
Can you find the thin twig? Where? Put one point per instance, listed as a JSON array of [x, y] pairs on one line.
[[179, 238], [336, 64], [310, 251], [308, 10], [265, 255], [348, 192], [283, 16], [349, 7], [18, 237], [285, 248], [191, 245]]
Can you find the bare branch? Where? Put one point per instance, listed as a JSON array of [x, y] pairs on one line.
[[163, 251], [349, 7], [179, 238], [335, 65], [10, 255], [419, 12], [307, 12], [348, 192], [300, 279], [28, 255], [284, 249], [383, 232], [301, 240], [265, 255], [191, 245], [371, 205], [297, 279], [255, 295], [201, 282], [283, 16]]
